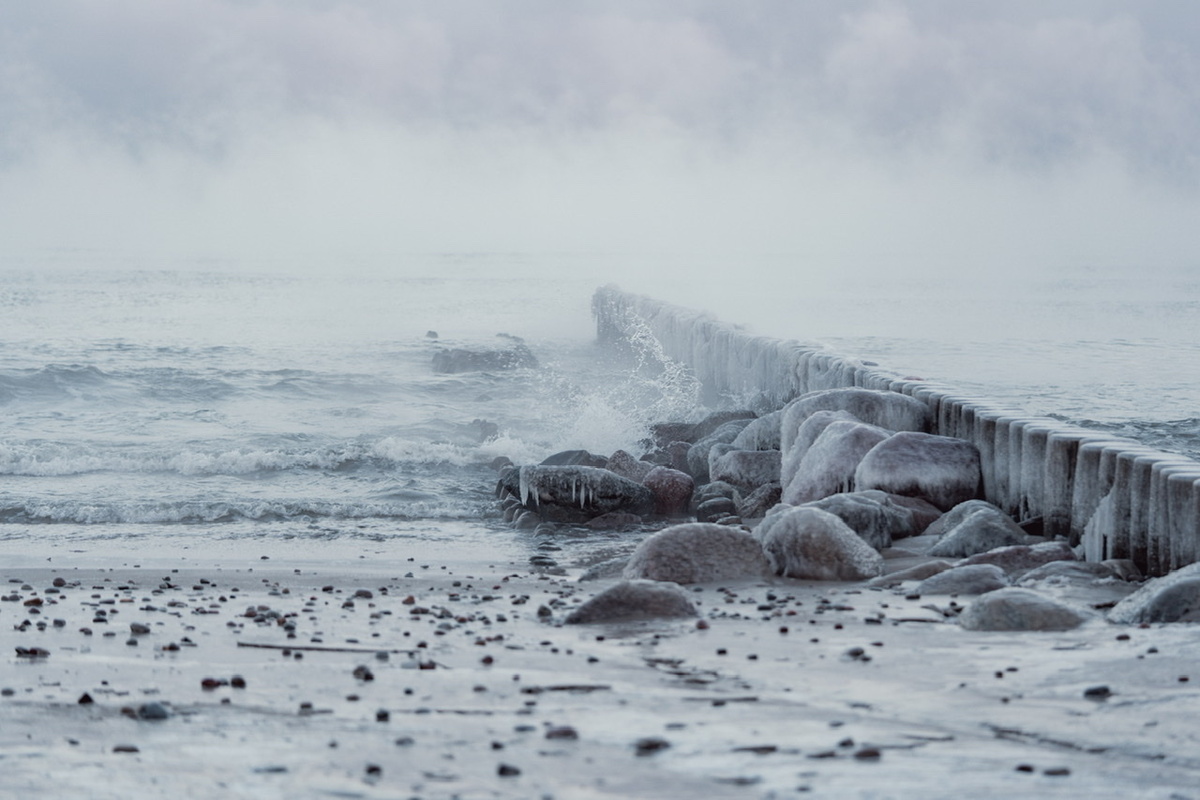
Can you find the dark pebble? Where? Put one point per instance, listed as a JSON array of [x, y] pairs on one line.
[[650, 744], [562, 732], [1057, 772], [1097, 692], [507, 771]]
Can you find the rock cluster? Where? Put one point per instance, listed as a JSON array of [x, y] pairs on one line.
[[818, 490]]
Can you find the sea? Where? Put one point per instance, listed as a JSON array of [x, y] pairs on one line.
[[193, 402]]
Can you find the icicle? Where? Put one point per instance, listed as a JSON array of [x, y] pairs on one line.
[[523, 482], [574, 484]]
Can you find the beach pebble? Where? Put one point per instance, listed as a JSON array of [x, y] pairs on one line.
[[634, 599], [697, 552], [139, 628], [812, 544], [649, 745], [1013, 609], [153, 711], [507, 771]]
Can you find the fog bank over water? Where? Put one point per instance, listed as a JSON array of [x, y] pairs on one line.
[[875, 138]]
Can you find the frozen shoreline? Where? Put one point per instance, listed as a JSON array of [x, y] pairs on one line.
[[748, 709]]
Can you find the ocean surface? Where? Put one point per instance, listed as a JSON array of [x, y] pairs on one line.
[[207, 401]]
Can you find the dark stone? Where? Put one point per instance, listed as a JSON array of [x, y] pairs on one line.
[[460, 359]]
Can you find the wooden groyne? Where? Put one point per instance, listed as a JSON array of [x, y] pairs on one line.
[[1115, 497]]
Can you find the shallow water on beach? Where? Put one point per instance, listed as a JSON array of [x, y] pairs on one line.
[[201, 401]]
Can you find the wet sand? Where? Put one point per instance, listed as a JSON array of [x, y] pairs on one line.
[[456, 679]]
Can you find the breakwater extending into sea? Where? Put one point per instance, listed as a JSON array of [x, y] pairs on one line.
[[1114, 496]]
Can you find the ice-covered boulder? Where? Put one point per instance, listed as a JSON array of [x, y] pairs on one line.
[[829, 465], [575, 458], [573, 493], [1172, 598], [872, 515], [698, 552], [1014, 609], [746, 469], [1020, 557], [802, 438], [917, 572], [1068, 572], [761, 434], [625, 465], [756, 504], [890, 410], [970, 579], [672, 490], [698, 453], [813, 544], [943, 470], [634, 600], [979, 529]]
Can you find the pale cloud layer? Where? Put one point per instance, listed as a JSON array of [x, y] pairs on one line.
[[936, 134]]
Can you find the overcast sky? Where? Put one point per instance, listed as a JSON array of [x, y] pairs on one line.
[[941, 134]]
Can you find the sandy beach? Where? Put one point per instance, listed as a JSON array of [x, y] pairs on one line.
[[337, 670]]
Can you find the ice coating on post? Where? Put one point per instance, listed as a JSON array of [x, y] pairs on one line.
[[1112, 495]]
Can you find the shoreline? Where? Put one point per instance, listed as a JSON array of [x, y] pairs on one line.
[[746, 708]]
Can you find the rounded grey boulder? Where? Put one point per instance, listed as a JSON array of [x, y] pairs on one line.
[[970, 579], [697, 552], [1013, 609], [634, 600]]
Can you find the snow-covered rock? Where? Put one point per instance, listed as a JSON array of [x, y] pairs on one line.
[[1172, 598], [698, 552], [872, 515], [1014, 609], [943, 470], [978, 529], [890, 410], [573, 493], [830, 464], [970, 579], [814, 544], [746, 469]]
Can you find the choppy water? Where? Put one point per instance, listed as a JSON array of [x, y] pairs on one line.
[[219, 402]]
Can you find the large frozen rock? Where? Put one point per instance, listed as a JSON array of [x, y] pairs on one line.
[[1020, 557], [745, 469], [1014, 609], [761, 434], [813, 544], [970, 579], [831, 462], [978, 529], [698, 453], [625, 465], [634, 600], [872, 515], [672, 490], [802, 438], [573, 493], [1171, 598], [890, 410], [756, 504], [698, 552], [943, 470]]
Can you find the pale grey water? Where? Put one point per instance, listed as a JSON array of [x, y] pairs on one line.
[[199, 401]]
